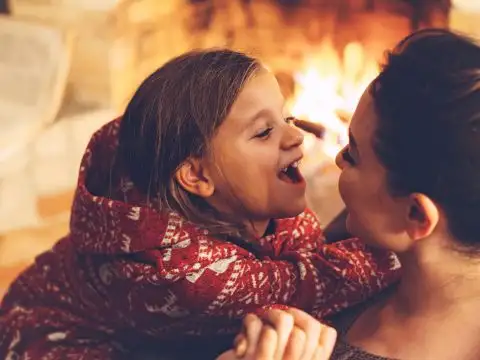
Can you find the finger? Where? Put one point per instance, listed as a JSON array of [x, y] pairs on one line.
[[267, 343], [295, 345], [310, 127], [252, 327], [282, 322], [228, 355], [326, 344], [312, 329], [240, 345]]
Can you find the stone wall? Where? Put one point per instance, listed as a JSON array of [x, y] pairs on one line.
[[116, 42]]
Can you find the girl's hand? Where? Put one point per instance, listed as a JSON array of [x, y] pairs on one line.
[[278, 334], [310, 127]]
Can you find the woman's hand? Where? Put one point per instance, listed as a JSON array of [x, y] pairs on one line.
[[290, 334], [310, 127]]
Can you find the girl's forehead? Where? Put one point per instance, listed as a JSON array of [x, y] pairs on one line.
[[260, 97]]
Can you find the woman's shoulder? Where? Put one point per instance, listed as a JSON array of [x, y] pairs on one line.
[[343, 321]]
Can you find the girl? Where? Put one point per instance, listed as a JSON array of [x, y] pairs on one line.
[[189, 213]]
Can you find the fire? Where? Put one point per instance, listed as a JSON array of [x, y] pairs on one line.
[[328, 86]]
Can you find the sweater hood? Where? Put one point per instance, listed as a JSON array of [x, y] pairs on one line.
[[109, 216]]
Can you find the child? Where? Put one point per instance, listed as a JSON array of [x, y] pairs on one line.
[[189, 213]]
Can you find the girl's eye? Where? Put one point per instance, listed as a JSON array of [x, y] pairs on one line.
[[347, 156], [264, 134]]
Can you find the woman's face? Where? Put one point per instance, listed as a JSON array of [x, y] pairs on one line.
[[374, 215]]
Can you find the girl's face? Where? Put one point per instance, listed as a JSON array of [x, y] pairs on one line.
[[255, 154]]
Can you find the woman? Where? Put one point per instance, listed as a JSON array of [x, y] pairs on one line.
[[411, 183]]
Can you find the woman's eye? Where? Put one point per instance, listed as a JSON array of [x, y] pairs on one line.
[[347, 156], [264, 134]]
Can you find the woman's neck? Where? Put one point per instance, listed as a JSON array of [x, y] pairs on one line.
[[437, 278], [433, 310]]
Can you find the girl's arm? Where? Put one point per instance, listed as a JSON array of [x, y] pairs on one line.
[[207, 286]]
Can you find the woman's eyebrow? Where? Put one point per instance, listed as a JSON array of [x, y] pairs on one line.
[[351, 139], [353, 144]]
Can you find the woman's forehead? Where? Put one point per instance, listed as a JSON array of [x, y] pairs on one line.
[[364, 119]]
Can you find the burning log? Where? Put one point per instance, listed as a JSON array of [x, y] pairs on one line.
[[423, 10], [318, 130], [344, 115], [286, 83]]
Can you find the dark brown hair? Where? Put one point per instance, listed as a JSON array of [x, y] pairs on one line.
[[428, 137], [173, 116]]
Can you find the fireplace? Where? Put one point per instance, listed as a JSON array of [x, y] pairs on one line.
[[118, 42], [323, 52]]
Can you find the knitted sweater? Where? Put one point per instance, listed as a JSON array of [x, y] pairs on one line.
[[127, 274]]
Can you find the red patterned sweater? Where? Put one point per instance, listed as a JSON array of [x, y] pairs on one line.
[[129, 275]]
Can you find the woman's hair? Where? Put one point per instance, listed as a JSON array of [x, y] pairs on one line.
[[428, 136], [173, 116]]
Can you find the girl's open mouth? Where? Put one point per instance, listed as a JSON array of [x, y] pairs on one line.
[[291, 174]]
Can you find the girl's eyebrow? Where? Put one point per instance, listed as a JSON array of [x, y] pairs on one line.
[[259, 115], [265, 112]]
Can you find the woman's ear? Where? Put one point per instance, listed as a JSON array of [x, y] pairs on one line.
[[423, 216], [194, 178]]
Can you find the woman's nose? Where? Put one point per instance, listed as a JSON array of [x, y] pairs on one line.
[[292, 137], [339, 161]]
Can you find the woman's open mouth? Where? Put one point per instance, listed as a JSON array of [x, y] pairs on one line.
[[291, 174]]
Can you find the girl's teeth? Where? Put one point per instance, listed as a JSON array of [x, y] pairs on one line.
[[293, 165]]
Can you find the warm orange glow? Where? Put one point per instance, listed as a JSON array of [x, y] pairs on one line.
[[327, 86]]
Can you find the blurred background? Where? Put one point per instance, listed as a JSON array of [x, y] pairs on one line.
[[69, 66]]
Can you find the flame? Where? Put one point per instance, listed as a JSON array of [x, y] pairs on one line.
[[328, 86]]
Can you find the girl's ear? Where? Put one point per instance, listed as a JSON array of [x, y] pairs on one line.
[[194, 178]]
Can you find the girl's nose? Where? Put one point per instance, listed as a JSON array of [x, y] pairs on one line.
[[292, 138]]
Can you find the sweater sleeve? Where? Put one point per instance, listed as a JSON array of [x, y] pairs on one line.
[[205, 285], [342, 273]]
